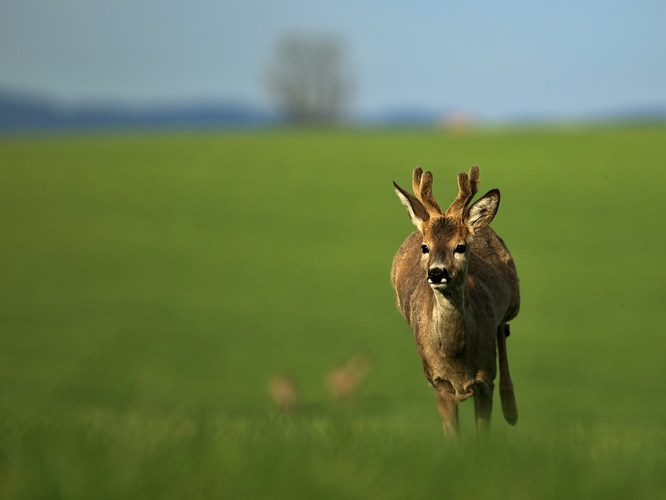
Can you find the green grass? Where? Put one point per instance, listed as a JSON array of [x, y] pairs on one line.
[[152, 284]]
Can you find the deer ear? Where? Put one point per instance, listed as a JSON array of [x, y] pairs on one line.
[[483, 211], [416, 210]]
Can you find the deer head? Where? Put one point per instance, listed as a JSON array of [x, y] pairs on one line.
[[448, 236]]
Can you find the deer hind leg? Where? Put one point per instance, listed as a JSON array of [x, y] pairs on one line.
[[448, 410], [483, 406], [509, 408]]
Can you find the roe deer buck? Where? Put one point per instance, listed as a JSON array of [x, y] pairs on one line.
[[457, 287]]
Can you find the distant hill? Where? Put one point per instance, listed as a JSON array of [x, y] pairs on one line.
[[645, 113], [409, 115], [26, 112]]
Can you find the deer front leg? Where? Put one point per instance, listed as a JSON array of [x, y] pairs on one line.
[[448, 410]]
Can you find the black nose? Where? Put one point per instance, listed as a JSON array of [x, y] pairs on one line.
[[438, 274]]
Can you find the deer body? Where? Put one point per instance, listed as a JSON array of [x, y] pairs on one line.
[[457, 287]]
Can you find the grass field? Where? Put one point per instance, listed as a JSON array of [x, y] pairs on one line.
[[152, 284]]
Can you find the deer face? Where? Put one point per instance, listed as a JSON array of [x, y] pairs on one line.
[[445, 252], [447, 237]]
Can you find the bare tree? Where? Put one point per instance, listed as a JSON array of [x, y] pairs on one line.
[[309, 79]]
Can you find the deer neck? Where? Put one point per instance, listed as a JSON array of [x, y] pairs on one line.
[[452, 320]]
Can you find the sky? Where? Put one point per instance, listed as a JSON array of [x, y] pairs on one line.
[[493, 59]]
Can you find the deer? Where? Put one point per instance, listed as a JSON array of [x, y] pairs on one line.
[[457, 287]]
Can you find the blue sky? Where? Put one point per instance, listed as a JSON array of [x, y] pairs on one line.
[[493, 59]]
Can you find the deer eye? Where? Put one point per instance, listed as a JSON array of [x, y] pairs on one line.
[[424, 248], [460, 248]]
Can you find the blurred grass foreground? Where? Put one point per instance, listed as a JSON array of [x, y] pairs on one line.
[[161, 293]]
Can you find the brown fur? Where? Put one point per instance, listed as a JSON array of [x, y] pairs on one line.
[[459, 325], [344, 381], [283, 392]]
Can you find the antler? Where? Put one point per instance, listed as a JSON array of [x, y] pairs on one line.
[[468, 185], [422, 186]]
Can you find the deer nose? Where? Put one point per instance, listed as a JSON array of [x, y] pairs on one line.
[[437, 275]]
